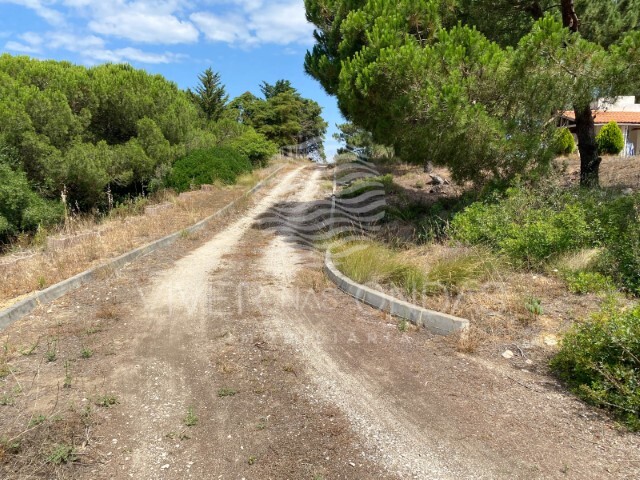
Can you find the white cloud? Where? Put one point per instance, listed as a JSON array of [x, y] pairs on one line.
[[90, 48], [254, 22], [30, 43], [231, 28], [282, 23], [42, 9], [13, 46], [85, 27], [135, 55], [145, 22], [74, 43]]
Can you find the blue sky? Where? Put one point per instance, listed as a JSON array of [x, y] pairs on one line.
[[246, 41]]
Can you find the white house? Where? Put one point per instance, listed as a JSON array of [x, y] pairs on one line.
[[622, 110]]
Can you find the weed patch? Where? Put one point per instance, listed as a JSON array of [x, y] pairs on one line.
[[226, 392], [191, 419], [107, 401], [62, 453]]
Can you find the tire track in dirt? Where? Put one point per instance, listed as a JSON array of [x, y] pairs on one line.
[[398, 444], [165, 355], [326, 388]]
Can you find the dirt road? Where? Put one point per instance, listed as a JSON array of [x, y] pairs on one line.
[[229, 357]]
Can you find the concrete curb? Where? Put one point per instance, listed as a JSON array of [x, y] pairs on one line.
[[435, 322], [24, 307]]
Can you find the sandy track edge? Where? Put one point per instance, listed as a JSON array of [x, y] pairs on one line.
[[26, 306]]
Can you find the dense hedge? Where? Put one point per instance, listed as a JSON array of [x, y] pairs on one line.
[[201, 167]]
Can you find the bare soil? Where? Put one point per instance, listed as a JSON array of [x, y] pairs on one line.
[[615, 172], [284, 376]]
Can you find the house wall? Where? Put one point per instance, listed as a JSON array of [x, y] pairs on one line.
[[634, 136]]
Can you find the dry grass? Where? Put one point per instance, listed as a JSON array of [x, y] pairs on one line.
[[578, 261], [475, 285], [123, 231], [312, 279], [418, 271]]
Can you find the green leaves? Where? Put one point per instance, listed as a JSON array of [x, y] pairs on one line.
[[600, 361], [210, 95], [20, 208], [283, 116], [472, 85], [610, 139], [207, 166]]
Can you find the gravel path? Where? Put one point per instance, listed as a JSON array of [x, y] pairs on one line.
[[230, 357]]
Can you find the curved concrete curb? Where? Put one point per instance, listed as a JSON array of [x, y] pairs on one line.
[[22, 308], [435, 322]]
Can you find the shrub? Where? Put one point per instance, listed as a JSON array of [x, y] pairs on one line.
[[368, 184], [529, 227], [610, 140], [206, 166], [600, 362], [21, 209], [582, 282], [619, 220], [563, 142], [255, 147]]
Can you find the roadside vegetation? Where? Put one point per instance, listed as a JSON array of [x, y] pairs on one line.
[[85, 141], [477, 91], [516, 261]]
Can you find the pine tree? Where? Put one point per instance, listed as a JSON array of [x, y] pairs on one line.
[[210, 96], [426, 78]]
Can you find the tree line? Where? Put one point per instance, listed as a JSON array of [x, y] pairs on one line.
[[476, 85], [90, 136]]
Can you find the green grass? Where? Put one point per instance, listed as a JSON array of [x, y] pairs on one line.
[[367, 262]]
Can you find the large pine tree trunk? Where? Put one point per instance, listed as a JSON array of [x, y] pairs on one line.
[[589, 158]]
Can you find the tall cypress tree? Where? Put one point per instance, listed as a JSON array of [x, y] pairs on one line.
[[210, 96]]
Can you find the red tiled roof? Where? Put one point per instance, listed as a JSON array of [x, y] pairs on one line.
[[602, 117]]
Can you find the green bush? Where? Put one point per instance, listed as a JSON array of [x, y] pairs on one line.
[[529, 227], [563, 142], [255, 147], [581, 282], [600, 362], [365, 185], [610, 140], [533, 227], [619, 225], [207, 166], [21, 209]]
